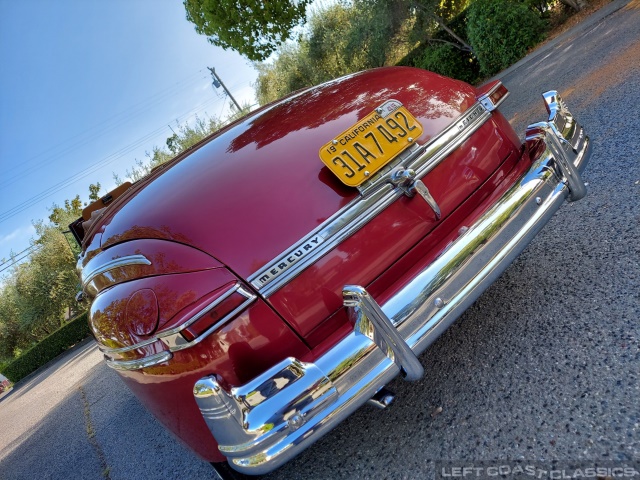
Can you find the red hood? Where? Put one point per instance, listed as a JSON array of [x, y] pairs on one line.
[[256, 188]]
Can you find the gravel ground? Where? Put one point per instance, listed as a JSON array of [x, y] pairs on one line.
[[544, 368]]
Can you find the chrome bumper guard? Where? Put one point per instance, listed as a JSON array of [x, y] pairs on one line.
[[263, 424]]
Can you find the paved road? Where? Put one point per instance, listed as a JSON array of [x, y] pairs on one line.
[[544, 367]]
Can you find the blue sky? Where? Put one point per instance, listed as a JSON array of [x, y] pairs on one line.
[[87, 87]]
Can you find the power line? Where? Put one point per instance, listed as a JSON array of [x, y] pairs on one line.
[[19, 253], [112, 124], [17, 260], [157, 97], [236, 86], [92, 168], [98, 165], [163, 93]]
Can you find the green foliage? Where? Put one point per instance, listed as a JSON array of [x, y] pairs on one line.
[[442, 54], [442, 20], [10, 333], [449, 61], [183, 138], [72, 209], [501, 31], [45, 287], [328, 41], [62, 216], [187, 136], [449, 10], [94, 192], [37, 296], [290, 71], [376, 36], [458, 24], [445, 36], [341, 38], [253, 28], [47, 349]]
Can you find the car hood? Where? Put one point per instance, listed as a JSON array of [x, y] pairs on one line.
[[254, 189]]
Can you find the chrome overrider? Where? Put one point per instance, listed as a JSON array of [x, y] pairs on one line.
[[266, 422]]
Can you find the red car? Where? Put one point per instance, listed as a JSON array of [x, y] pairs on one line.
[[259, 288]]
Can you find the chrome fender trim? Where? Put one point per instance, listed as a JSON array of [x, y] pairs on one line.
[[172, 339], [88, 277], [358, 366]]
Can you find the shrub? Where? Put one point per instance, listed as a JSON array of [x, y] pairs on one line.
[[501, 31], [48, 349], [447, 60]]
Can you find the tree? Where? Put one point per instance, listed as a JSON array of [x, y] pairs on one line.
[[47, 285], [184, 137], [251, 27], [62, 216], [340, 39], [290, 71], [38, 297], [10, 334], [94, 190], [379, 31], [431, 16], [501, 31]]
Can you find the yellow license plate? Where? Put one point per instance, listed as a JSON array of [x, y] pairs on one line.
[[360, 151]]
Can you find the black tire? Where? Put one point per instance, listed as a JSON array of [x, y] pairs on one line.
[[224, 472]]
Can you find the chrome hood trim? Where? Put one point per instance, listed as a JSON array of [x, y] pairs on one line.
[[172, 339], [375, 195], [138, 259]]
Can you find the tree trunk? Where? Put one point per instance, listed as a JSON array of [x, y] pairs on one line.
[[453, 44], [464, 45], [439, 21]]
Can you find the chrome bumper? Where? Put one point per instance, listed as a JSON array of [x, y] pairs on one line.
[[263, 424]]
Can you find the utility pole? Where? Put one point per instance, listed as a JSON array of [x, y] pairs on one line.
[[217, 82]]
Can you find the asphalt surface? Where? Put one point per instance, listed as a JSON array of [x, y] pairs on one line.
[[544, 368]]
